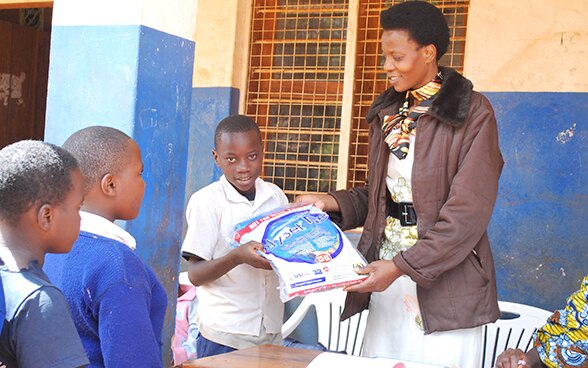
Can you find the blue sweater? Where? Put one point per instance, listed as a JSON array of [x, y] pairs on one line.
[[116, 301]]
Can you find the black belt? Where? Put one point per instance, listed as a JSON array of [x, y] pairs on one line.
[[404, 211]]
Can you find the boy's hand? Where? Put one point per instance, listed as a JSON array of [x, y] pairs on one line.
[[247, 253], [203, 271], [512, 358]]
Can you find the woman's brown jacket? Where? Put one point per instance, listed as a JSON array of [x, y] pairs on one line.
[[457, 164]]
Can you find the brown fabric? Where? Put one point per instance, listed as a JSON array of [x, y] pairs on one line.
[[455, 176]]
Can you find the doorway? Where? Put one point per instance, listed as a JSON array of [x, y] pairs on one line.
[[25, 36]]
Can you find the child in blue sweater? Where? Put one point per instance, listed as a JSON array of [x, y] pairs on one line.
[[117, 302], [41, 191]]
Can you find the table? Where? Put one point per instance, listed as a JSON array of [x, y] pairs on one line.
[[262, 356]]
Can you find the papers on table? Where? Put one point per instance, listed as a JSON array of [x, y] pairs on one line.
[[329, 360]]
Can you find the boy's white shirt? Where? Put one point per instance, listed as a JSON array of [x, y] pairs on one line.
[[245, 297], [100, 226]]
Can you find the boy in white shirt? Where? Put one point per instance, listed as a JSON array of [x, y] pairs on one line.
[[239, 304]]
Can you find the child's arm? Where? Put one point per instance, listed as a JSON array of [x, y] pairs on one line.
[[202, 272], [128, 336]]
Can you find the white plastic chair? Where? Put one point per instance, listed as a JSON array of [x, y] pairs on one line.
[[332, 333], [514, 329], [183, 279]]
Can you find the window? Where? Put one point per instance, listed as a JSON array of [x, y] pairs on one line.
[[309, 102]]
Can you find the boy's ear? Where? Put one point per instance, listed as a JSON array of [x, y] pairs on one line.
[[45, 216], [108, 185], [215, 156]]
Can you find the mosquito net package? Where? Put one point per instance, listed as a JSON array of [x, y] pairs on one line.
[[305, 248]]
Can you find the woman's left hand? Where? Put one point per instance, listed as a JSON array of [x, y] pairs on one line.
[[382, 274]]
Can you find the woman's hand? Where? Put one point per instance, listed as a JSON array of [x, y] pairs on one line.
[[247, 253], [512, 358], [323, 202], [382, 274]]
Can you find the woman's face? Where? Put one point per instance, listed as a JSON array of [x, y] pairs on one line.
[[407, 64]]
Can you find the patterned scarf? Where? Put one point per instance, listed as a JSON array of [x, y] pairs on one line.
[[397, 128]]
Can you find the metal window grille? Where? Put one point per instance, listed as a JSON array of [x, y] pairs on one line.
[[296, 80]]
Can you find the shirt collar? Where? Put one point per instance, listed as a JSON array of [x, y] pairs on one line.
[[261, 192], [100, 226]]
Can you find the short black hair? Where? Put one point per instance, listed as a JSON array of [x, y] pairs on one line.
[[33, 173], [99, 150], [424, 22], [235, 124]]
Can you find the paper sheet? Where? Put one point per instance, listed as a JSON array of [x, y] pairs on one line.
[[329, 360]]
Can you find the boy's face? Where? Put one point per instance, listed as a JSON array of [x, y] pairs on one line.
[[66, 226], [130, 185], [240, 157]]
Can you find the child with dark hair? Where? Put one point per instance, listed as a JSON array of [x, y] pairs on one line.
[[239, 304], [41, 191], [117, 302]]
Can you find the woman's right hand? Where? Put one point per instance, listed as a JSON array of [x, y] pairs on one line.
[[382, 273], [323, 202]]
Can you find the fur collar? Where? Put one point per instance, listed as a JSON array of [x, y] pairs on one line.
[[451, 105]]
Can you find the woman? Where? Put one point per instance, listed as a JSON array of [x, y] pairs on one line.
[[433, 171]]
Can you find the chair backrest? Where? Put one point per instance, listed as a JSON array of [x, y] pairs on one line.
[[514, 329], [332, 333]]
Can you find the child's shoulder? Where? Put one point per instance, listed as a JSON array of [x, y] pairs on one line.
[[102, 245], [210, 192], [104, 254], [268, 184], [210, 198], [112, 265], [275, 190], [26, 284]]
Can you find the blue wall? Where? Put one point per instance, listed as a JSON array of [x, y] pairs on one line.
[[164, 84], [139, 80], [92, 76], [209, 106], [539, 229]]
